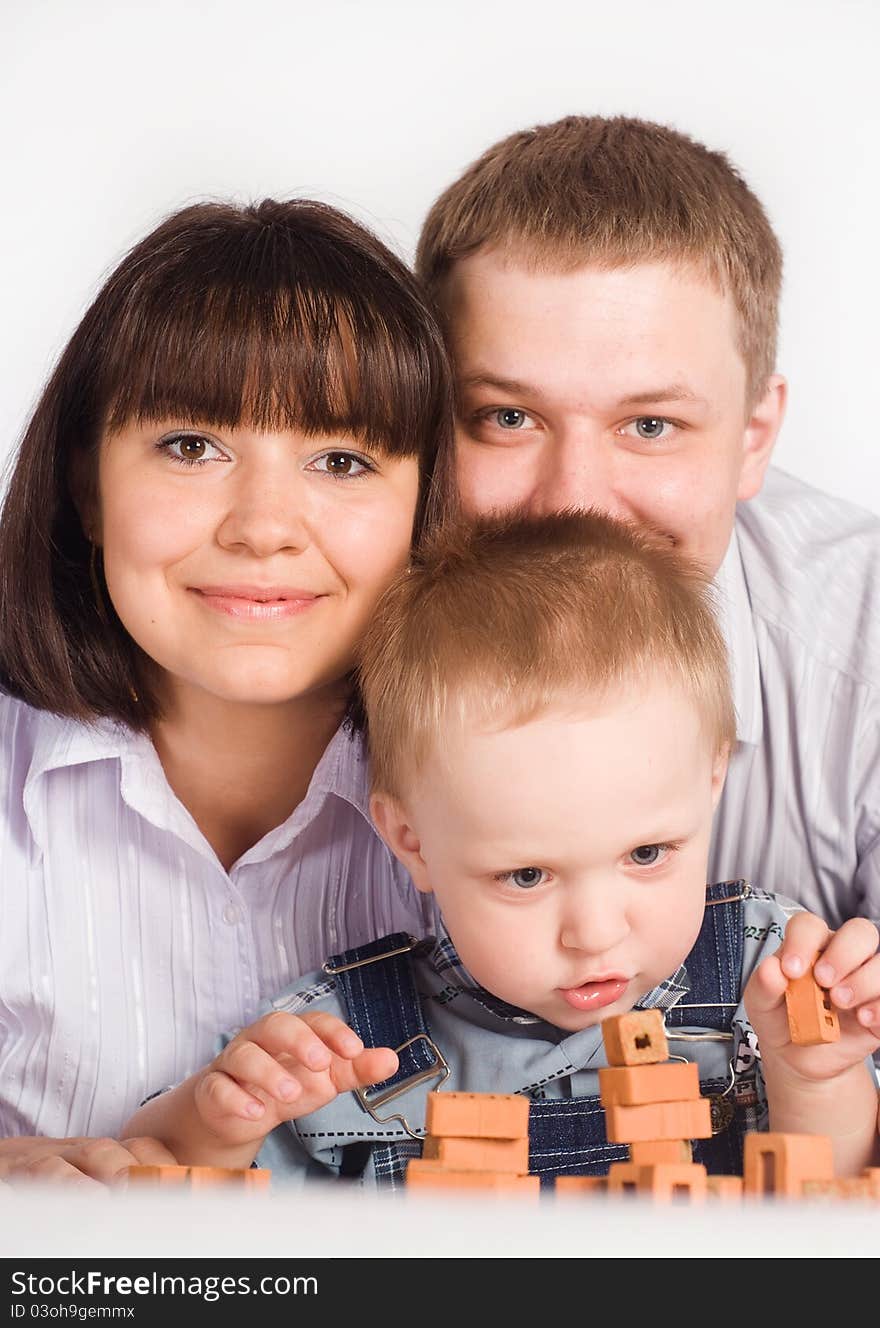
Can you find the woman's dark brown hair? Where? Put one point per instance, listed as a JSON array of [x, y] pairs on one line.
[[279, 315]]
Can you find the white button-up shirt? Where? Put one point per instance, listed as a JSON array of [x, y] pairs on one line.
[[125, 947], [799, 595]]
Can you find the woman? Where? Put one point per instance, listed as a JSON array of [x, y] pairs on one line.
[[224, 472]]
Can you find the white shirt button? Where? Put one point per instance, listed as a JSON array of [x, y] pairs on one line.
[[231, 914]]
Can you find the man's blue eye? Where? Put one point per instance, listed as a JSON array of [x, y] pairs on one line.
[[650, 426], [510, 418]]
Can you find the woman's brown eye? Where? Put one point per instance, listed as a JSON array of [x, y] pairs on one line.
[[339, 463], [192, 448]]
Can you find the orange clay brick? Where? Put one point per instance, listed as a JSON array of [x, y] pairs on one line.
[[842, 1187], [659, 1120], [511, 1155], [810, 1016], [427, 1175], [158, 1175], [478, 1115], [650, 1152], [780, 1163], [665, 1181], [581, 1184], [623, 1178], [636, 1085], [204, 1178], [635, 1038], [872, 1176], [727, 1188]]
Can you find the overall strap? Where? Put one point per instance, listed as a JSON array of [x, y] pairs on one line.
[[714, 965], [385, 1010]]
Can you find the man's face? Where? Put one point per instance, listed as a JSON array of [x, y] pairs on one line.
[[622, 390]]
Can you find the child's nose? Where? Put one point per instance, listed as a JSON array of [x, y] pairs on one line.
[[593, 923]]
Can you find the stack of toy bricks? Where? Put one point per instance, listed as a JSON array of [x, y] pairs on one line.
[[200, 1178], [654, 1105], [475, 1141]]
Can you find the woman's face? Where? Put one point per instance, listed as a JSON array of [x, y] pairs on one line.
[[247, 563]]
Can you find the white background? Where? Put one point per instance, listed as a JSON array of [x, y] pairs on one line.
[[113, 113]]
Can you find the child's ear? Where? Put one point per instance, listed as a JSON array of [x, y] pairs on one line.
[[392, 822], [719, 773], [760, 434]]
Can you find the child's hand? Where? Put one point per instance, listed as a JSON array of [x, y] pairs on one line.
[[283, 1067], [848, 967]]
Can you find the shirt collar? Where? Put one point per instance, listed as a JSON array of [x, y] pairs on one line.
[[65, 743], [734, 610]]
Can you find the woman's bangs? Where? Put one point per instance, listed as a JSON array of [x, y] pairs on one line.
[[271, 359]]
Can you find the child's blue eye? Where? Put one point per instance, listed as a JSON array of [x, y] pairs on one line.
[[646, 854], [526, 878]]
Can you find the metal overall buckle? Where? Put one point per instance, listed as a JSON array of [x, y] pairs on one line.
[[439, 1069]]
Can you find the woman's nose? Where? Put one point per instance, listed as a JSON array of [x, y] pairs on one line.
[[266, 511]]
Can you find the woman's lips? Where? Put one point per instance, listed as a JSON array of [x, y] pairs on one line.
[[256, 603], [595, 995]]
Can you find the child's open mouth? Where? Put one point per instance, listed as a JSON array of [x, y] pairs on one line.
[[595, 995]]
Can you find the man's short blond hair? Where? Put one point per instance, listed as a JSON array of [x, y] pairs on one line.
[[503, 619], [612, 192]]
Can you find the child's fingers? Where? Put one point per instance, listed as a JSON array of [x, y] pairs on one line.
[[310, 1038], [859, 987], [253, 1067], [370, 1067], [805, 935], [848, 951], [218, 1097], [766, 987]]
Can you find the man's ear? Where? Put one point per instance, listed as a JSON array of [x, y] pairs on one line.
[[719, 773], [761, 431], [392, 822], [83, 484]]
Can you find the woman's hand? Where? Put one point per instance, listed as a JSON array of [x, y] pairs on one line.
[[844, 962], [280, 1068], [85, 1162]]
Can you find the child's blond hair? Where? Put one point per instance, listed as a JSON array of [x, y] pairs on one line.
[[612, 192], [513, 615]]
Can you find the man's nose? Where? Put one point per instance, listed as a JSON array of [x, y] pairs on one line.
[[577, 471]]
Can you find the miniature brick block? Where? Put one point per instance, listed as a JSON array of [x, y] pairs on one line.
[[428, 1175], [203, 1178], [581, 1184], [623, 1178], [727, 1188], [478, 1115], [650, 1152], [872, 1176], [780, 1163], [659, 1120], [842, 1187], [666, 1182], [164, 1176], [810, 1016], [511, 1155], [635, 1038], [636, 1085]]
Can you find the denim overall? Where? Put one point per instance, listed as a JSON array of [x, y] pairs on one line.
[[385, 1010]]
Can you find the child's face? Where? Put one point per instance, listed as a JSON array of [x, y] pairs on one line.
[[247, 564], [621, 389], [568, 856]]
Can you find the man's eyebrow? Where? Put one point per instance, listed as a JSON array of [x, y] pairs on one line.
[[512, 385], [669, 392]]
